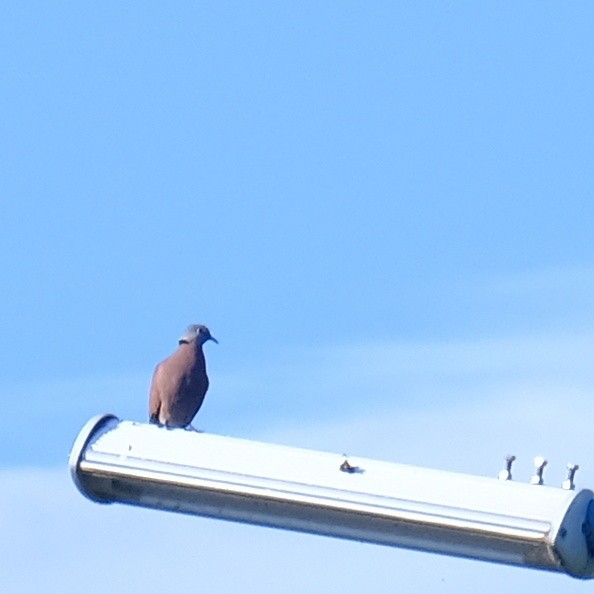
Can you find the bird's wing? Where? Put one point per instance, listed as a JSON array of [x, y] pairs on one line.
[[191, 395]]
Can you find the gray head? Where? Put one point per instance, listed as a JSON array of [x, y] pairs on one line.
[[197, 333]]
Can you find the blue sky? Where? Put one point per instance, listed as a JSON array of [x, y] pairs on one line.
[[383, 212]]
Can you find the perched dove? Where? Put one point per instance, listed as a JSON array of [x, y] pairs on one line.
[[180, 381]]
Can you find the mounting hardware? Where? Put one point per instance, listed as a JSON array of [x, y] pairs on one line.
[[539, 464], [568, 483], [505, 474]]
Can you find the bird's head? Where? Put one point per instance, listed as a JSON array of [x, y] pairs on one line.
[[196, 333]]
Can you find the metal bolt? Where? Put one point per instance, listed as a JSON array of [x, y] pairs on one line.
[[568, 483], [346, 466], [539, 464], [505, 474]]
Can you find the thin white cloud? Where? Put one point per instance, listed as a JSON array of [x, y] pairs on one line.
[[346, 381], [572, 281]]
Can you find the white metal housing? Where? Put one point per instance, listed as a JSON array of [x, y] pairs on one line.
[[319, 492]]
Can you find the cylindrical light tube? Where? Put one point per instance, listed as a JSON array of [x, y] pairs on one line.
[[324, 493]]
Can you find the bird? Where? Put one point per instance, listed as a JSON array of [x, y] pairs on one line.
[[180, 382]]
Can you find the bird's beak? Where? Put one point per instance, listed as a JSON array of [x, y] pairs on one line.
[[214, 339]]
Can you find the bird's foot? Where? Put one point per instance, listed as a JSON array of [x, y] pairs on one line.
[[192, 428]]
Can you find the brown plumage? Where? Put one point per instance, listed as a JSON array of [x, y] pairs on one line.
[[180, 382]]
